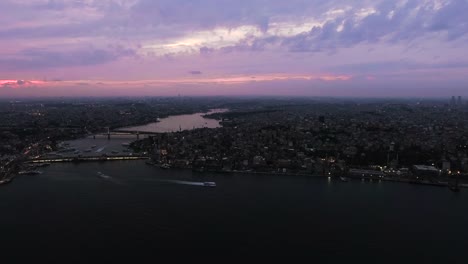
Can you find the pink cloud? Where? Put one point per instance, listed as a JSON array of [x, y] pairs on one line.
[[19, 83], [226, 80]]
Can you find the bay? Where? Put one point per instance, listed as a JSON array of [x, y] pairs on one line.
[[141, 210]]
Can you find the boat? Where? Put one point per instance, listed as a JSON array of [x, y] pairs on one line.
[[343, 179], [125, 144], [165, 166], [209, 184], [93, 146], [31, 172], [115, 152]]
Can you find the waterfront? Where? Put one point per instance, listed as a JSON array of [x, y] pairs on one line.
[[118, 144], [94, 146], [137, 211], [179, 122]]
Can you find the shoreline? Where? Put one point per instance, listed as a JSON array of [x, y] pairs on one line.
[[10, 177], [445, 184], [371, 179], [347, 177]]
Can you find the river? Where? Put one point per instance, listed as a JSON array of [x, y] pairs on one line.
[[98, 145], [143, 210], [179, 122]]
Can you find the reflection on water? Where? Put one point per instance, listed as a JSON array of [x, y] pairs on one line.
[[179, 122]]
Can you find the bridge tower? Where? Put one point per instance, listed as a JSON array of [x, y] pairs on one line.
[[108, 133], [138, 135]]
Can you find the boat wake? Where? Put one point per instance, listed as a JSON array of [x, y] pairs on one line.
[[108, 178], [183, 182], [192, 183]]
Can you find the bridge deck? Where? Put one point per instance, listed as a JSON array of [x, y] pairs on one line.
[[82, 159]]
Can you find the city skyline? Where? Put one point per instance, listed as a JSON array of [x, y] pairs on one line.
[[165, 48]]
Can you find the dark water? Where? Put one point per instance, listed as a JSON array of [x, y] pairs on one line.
[[72, 213]]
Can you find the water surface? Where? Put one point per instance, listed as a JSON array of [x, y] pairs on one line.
[[179, 122], [138, 210]]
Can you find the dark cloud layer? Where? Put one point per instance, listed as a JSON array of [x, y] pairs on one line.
[[43, 58], [406, 23], [148, 19]]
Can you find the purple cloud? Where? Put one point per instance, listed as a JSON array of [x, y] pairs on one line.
[[387, 40], [44, 58]]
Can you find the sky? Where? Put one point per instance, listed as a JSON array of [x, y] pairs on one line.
[[378, 48]]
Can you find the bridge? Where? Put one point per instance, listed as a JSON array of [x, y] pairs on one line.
[[85, 159], [110, 133]]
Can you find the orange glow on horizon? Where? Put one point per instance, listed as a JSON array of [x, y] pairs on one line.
[[215, 80], [2, 82], [224, 80], [18, 83]]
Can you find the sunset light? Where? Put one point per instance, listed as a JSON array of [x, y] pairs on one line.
[[367, 48]]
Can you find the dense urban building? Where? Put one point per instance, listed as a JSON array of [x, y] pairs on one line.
[[292, 136]]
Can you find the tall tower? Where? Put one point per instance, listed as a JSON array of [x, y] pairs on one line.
[[453, 102], [459, 103]]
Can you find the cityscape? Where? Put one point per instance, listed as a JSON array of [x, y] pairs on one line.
[[419, 142]]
